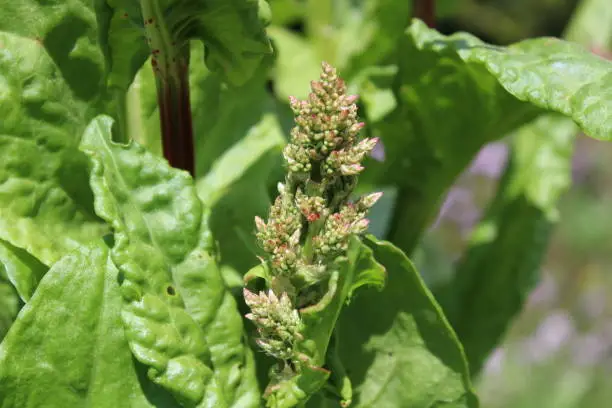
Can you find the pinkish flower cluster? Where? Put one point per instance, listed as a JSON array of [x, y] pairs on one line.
[[277, 322], [312, 219]]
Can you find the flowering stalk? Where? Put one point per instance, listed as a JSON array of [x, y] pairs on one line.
[[311, 221]]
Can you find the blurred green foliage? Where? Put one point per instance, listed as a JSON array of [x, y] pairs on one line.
[[557, 353]]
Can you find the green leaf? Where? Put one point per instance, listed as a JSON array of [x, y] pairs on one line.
[[447, 109], [9, 304], [378, 24], [286, 11], [46, 205], [69, 33], [67, 348], [298, 62], [123, 42], [21, 269], [477, 89], [107, 39], [397, 346], [501, 265], [295, 392], [233, 34], [103, 39], [236, 184], [550, 73], [590, 24], [355, 270], [264, 138], [373, 85], [179, 318], [224, 114], [142, 111], [331, 30]]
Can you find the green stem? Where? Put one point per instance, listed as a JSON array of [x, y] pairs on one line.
[[170, 61]]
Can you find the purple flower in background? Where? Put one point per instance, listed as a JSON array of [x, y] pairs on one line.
[[552, 334], [378, 153], [546, 293], [490, 161], [459, 207], [583, 162], [495, 362], [590, 349]]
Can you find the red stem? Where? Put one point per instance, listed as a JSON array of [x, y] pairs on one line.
[[425, 10], [176, 122]]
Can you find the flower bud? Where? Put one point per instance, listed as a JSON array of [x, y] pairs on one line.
[[350, 99], [351, 169], [360, 226], [260, 224]]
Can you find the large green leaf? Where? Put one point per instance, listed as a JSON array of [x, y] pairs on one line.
[[236, 188], [106, 39], [477, 89], [446, 111], [232, 32], [98, 46], [46, 205], [397, 346], [68, 30], [550, 73], [122, 38], [500, 267], [67, 347], [179, 318]]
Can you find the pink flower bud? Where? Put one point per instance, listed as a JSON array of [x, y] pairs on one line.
[[317, 88], [260, 224], [366, 145], [356, 127], [249, 297], [350, 99], [370, 199], [351, 169], [361, 225], [295, 104], [327, 69]]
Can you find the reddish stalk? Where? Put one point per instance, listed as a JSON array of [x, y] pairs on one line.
[[175, 118], [425, 10]]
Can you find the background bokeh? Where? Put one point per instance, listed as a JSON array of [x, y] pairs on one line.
[[558, 351]]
